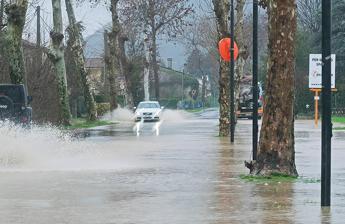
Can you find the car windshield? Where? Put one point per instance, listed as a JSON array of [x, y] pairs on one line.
[[14, 92], [148, 105]]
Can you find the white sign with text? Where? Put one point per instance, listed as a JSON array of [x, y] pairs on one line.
[[315, 71]]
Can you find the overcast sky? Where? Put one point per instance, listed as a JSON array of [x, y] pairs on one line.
[[94, 18]]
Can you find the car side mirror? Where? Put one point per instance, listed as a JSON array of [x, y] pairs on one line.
[[29, 99]]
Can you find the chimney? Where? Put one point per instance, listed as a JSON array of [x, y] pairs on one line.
[[169, 63]]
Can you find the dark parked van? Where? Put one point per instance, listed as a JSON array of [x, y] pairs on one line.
[[14, 104]]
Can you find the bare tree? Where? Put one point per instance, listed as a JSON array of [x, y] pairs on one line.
[[16, 13], [155, 17], [309, 14], [276, 152], [56, 55], [75, 43]]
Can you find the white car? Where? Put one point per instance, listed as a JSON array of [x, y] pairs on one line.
[[148, 111]]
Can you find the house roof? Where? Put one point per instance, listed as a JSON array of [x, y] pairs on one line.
[[94, 63]]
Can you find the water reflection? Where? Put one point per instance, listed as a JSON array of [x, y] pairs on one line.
[[232, 198], [326, 215], [141, 128], [276, 202]]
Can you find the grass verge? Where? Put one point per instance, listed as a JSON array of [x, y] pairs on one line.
[[278, 178], [340, 120], [81, 123], [195, 110]]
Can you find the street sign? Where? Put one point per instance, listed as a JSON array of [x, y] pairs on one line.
[[224, 49], [315, 71]]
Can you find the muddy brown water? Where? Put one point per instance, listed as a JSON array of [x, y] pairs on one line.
[[185, 174]]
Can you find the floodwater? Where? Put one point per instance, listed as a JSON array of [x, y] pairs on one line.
[[181, 174]]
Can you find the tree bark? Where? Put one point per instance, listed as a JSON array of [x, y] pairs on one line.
[[243, 54], [221, 9], [16, 14], [56, 55], [276, 152], [75, 43]]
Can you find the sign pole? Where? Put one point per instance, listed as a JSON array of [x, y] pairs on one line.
[[255, 79], [326, 104], [232, 74], [316, 98]]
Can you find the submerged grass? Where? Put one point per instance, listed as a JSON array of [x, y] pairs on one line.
[[81, 123], [274, 178]]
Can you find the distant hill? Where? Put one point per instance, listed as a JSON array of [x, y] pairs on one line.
[[167, 49], [94, 48]]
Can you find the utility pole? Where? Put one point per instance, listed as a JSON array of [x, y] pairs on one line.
[[38, 28], [232, 74], [38, 38], [255, 78], [326, 104], [183, 86], [2, 7]]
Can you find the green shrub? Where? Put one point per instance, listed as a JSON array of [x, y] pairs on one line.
[[103, 108]]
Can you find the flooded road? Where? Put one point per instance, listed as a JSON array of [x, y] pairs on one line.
[[182, 174]]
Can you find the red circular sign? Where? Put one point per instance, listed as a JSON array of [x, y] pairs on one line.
[[224, 49]]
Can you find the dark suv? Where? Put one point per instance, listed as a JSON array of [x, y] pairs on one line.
[[14, 104]]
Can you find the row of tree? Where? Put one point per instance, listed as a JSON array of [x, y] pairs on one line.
[[276, 148], [288, 33], [11, 38], [137, 22]]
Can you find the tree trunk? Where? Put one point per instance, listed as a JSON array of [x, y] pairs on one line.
[[147, 69], [221, 9], [125, 70], [203, 90], [16, 14], [113, 63], [276, 153], [243, 54], [75, 43], [112, 75], [56, 55], [155, 65], [108, 75]]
